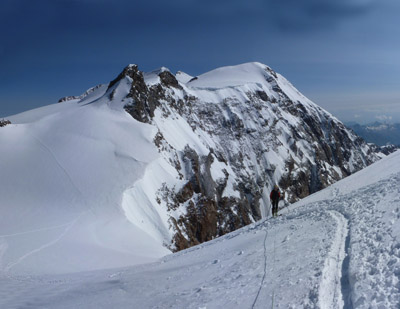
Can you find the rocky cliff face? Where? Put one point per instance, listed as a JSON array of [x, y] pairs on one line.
[[231, 134], [81, 97], [4, 122]]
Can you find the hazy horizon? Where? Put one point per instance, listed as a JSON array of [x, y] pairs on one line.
[[342, 55]]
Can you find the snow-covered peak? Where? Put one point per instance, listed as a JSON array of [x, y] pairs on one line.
[[153, 77], [131, 66], [183, 77], [229, 76], [96, 91]]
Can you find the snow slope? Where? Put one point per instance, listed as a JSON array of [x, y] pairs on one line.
[[64, 168], [339, 248]]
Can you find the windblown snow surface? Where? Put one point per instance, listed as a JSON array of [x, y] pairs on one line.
[[64, 169], [338, 248]]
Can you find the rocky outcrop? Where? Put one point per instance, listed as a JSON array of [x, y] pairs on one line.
[[209, 213], [332, 149], [80, 97], [4, 122], [169, 80], [214, 214], [386, 150], [144, 99]]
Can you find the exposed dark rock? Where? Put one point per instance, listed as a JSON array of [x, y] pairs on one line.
[[140, 109], [387, 149], [144, 100], [262, 95], [131, 71], [158, 139], [68, 98], [4, 122], [271, 71], [80, 97], [209, 214], [185, 194], [169, 80]]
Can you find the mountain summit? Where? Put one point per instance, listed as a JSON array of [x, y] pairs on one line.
[[155, 162]]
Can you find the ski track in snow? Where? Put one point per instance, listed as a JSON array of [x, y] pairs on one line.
[[20, 259], [348, 216], [38, 230], [47, 149], [330, 291], [265, 269]]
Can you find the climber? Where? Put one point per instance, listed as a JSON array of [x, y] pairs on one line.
[[275, 196]]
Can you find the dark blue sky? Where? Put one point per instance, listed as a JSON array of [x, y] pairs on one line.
[[342, 54]]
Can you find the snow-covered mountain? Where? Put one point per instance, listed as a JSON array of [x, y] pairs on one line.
[[153, 162], [378, 133], [338, 248]]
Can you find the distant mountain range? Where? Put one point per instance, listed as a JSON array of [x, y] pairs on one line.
[[378, 133]]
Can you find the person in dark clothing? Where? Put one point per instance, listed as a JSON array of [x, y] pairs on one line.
[[275, 197]]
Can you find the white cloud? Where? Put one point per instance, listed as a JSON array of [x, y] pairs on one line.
[[384, 117]]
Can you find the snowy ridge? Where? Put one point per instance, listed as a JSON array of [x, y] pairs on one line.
[[87, 95], [61, 162]]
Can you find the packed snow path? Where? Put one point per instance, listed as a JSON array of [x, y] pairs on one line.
[[330, 292], [339, 248]]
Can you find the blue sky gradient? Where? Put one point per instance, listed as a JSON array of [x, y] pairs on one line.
[[343, 54]]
